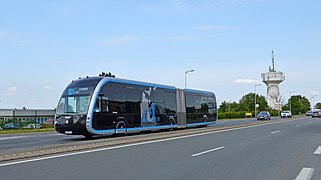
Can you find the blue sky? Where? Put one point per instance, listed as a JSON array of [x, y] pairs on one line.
[[46, 44]]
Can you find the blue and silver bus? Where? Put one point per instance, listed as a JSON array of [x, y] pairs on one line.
[[107, 105]]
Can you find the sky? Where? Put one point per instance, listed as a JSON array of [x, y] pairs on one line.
[[44, 45]]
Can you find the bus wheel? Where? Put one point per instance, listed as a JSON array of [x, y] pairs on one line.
[[171, 122], [120, 128]]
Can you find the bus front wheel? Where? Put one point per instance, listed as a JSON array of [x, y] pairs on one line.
[[120, 128]]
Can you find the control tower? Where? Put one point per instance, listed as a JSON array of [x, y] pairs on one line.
[[272, 79]]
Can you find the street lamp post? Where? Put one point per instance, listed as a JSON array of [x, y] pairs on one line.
[[313, 102], [290, 101], [188, 71], [36, 114], [255, 98]]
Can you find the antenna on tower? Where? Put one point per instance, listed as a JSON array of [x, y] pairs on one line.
[[273, 61]]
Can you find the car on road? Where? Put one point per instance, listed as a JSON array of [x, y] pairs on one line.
[[11, 126], [316, 113], [286, 114], [32, 126], [309, 113], [264, 115]]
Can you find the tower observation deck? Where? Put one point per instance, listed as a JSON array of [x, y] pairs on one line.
[[272, 79]]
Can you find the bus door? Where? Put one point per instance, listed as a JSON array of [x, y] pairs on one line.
[[181, 109]]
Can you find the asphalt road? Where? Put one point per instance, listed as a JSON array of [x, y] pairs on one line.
[[22, 142], [279, 150]]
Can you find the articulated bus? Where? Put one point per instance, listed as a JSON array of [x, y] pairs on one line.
[[107, 106]]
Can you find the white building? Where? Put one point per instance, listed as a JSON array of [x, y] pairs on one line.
[[272, 79]]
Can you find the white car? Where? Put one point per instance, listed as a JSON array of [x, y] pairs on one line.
[[286, 114], [32, 126]]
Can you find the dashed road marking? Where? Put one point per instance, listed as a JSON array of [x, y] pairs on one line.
[[298, 125], [318, 151], [305, 174], [274, 132], [208, 151]]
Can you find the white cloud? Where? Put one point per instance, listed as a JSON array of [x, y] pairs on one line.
[[47, 88], [12, 89], [246, 81], [315, 93], [121, 40]]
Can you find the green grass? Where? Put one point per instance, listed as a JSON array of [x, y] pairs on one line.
[[17, 131]]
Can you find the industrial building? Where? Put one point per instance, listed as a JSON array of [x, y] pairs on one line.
[[24, 114]]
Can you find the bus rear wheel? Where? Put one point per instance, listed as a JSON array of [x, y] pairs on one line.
[[171, 122]]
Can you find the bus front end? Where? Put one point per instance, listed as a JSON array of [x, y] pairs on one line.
[[73, 106]]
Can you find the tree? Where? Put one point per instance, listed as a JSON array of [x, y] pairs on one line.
[[299, 104], [228, 107], [223, 107], [318, 105], [247, 102]]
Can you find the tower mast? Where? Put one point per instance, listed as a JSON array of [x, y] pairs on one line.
[[273, 61]]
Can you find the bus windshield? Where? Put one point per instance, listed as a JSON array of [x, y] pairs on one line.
[[73, 105], [75, 99]]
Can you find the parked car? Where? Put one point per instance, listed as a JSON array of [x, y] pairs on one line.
[[286, 114], [264, 115], [316, 113], [32, 126], [309, 113], [11, 126]]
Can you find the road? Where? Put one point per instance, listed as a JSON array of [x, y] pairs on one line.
[[279, 150], [23, 142]]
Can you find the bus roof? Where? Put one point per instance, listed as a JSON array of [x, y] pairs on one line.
[[140, 83], [126, 81]]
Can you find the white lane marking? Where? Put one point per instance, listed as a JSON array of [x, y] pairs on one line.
[[137, 144], [318, 151], [14, 137], [274, 132], [208, 151], [298, 125], [305, 174]]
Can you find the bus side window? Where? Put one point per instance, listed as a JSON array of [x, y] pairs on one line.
[[104, 104]]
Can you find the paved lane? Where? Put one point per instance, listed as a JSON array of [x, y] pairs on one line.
[[281, 150], [23, 142]]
